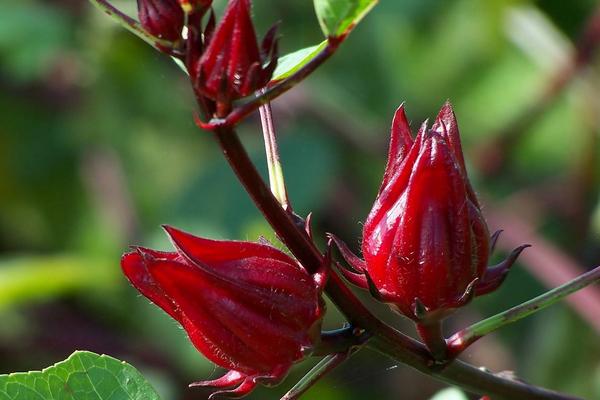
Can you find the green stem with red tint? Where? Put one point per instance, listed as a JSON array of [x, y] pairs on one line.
[[276, 180], [323, 367], [458, 342]]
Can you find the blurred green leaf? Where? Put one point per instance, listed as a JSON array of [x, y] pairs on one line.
[[555, 339], [339, 17], [292, 62], [34, 278], [31, 37], [228, 208], [84, 375]]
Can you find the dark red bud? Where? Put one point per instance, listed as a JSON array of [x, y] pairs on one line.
[[233, 65], [246, 306], [161, 18], [425, 242]]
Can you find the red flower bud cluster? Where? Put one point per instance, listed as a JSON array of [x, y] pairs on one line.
[[425, 242], [232, 65], [246, 306], [225, 62]]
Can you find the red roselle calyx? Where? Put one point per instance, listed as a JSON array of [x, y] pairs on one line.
[[246, 306], [232, 65], [162, 18], [425, 242]]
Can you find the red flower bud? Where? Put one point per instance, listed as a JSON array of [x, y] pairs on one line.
[[233, 66], [161, 18], [247, 307], [425, 242]]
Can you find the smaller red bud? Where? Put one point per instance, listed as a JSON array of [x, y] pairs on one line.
[[425, 242], [246, 306], [233, 65], [161, 18]]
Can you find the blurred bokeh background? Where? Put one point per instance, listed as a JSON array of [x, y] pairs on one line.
[[98, 148]]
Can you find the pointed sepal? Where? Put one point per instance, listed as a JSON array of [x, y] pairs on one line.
[[231, 378], [308, 225], [446, 124], [235, 384], [357, 279], [494, 276], [400, 143], [356, 263], [375, 292], [494, 239]]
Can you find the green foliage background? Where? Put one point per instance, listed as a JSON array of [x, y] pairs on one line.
[[98, 148]]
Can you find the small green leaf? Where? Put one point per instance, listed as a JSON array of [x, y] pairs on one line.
[[83, 376], [292, 62], [338, 17]]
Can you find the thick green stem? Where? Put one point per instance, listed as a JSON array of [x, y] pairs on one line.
[[464, 338], [385, 339]]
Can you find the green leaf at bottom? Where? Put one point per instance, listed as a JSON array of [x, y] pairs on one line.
[[82, 376]]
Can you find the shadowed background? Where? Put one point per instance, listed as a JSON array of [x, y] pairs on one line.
[[98, 148]]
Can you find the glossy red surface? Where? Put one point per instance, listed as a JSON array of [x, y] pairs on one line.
[[425, 242], [246, 306], [162, 18], [233, 65]]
